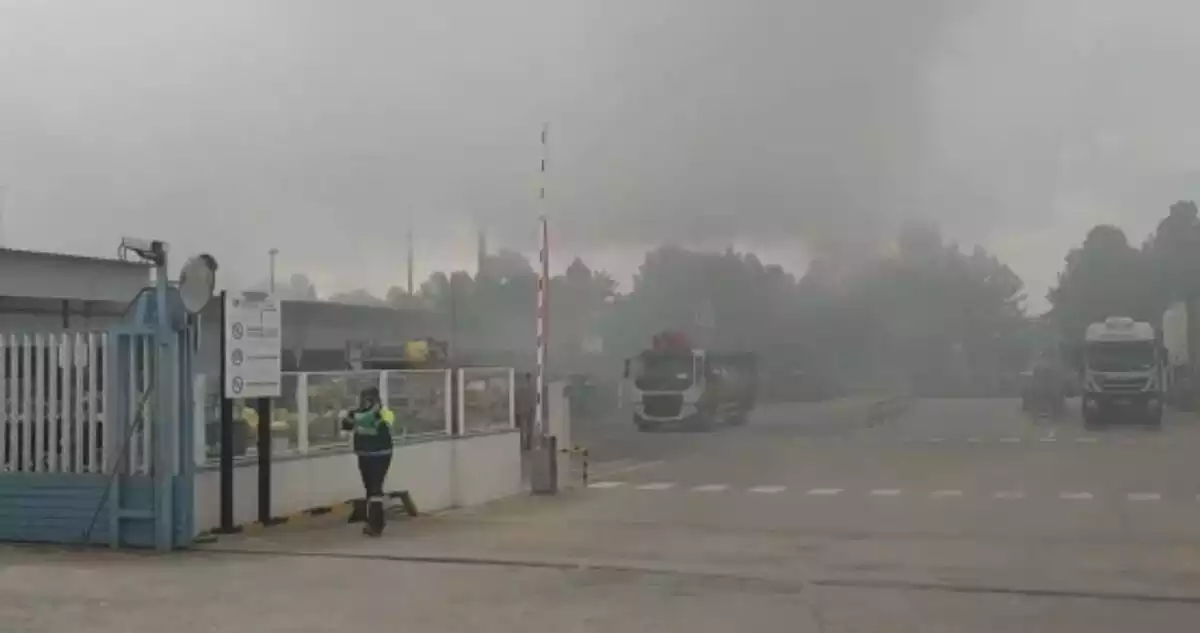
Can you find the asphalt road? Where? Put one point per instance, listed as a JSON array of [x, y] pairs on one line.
[[961, 515]]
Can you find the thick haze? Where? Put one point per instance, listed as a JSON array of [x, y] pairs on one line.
[[325, 128]]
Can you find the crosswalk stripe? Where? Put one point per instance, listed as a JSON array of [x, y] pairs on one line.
[[1007, 495], [973, 440]]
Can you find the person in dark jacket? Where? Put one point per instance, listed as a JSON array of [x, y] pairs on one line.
[[372, 426]]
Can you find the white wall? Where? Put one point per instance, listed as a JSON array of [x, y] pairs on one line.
[[486, 468], [439, 474]]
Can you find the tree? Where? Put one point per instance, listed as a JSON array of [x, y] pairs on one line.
[[506, 264], [1104, 277], [359, 297], [298, 287], [399, 299], [1174, 252], [301, 288]]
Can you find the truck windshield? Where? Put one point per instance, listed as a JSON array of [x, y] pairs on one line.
[[1120, 356], [664, 372]]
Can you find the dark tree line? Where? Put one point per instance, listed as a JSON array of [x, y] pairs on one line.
[[925, 310], [1108, 276]]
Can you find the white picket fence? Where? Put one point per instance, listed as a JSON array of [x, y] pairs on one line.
[[54, 397]]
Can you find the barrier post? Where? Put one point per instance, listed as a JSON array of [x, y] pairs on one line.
[[448, 401], [263, 407], [461, 393], [512, 398], [302, 413]]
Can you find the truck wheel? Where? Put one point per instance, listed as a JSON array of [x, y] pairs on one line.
[[1154, 419]]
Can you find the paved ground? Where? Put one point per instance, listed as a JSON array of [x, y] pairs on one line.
[[960, 516]]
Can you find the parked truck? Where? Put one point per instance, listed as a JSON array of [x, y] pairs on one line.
[[1122, 372], [676, 384]]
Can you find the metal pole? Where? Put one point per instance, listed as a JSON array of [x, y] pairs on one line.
[[226, 472], [3, 191], [410, 262], [163, 466], [453, 352], [273, 252], [263, 409], [541, 413]]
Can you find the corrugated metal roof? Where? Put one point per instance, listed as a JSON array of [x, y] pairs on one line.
[[16, 252]]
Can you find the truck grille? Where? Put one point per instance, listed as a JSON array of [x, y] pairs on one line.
[[1123, 385], [662, 406]]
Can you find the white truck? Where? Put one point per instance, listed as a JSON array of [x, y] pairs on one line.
[[1122, 372], [676, 384]]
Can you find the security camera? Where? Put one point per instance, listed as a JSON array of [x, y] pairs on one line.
[[149, 250]]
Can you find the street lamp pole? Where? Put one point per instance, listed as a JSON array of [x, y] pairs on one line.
[[273, 252]]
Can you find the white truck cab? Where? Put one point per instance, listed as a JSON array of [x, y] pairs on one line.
[[1122, 372], [668, 387]]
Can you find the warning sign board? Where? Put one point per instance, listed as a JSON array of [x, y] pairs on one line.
[[253, 345]]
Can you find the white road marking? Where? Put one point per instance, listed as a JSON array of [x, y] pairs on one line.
[[767, 490], [1048, 439], [941, 494], [824, 492], [630, 468], [1010, 440], [885, 492], [607, 484], [1009, 495], [1144, 496], [1086, 440], [711, 488], [1075, 496], [662, 485], [973, 440]]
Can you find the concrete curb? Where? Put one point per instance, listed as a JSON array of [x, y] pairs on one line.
[[350, 511]]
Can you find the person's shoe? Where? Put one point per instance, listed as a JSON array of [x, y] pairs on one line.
[[375, 517], [370, 531]]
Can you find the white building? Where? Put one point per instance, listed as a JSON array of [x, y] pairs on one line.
[[55, 291]]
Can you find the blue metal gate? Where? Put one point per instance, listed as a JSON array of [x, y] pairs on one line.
[[94, 438]]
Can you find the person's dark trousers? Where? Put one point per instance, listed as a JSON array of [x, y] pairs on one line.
[[374, 469]]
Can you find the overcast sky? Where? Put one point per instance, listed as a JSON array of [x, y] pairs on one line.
[[326, 129]]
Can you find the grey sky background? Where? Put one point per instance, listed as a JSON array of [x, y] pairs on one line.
[[791, 127]]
